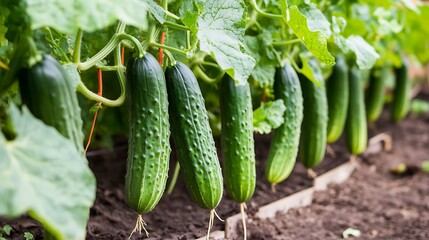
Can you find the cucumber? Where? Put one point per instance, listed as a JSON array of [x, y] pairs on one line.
[[193, 138], [375, 93], [337, 89], [285, 143], [402, 93], [148, 142], [356, 125], [49, 95], [314, 124], [238, 154]]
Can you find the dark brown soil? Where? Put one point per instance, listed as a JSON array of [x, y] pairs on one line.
[[379, 204], [375, 201]]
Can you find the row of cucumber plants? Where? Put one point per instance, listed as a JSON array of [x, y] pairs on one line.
[[223, 67]]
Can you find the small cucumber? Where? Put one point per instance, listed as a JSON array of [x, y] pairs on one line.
[[285, 143], [375, 93], [337, 88], [148, 143], [238, 154], [402, 93], [356, 125], [193, 138], [314, 124]]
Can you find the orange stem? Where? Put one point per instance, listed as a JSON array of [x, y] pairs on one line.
[[100, 93], [161, 51], [122, 55]]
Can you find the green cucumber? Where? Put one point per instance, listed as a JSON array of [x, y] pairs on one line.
[[48, 93], [148, 143], [337, 89], [356, 125], [375, 93], [193, 138], [285, 143], [314, 124], [402, 93], [238, 154]]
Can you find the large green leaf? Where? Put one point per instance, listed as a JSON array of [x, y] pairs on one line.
[[42, 173], [315, 41], [221, 34], [365, 53], [68, 16]]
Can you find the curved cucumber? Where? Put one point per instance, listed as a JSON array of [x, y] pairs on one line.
[[49, 95], [193, 138], [337, 88], [314, 124], [356, 126], [238, 154], [285, 143], [375, 93], [149, 147], [402, 93]]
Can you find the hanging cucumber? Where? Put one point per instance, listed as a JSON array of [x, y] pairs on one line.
[[49, 95], [193, 138], [356, 125], [402, 93], [285, 143], [337, 88], [375, 93], [238, 153], [314, 124], [149, 147]]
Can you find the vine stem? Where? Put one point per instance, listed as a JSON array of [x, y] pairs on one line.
[[174, 178], [284, 43], [100, 93], [110, 46], [175, 25], [167, 47], [263, 13], [77, 46], [161, 50]]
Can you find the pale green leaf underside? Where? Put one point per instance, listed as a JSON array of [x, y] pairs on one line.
[[311, 69], [43, 174], [366, 56], [221, 34]]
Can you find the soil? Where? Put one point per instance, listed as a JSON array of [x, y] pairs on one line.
[[380, 204]]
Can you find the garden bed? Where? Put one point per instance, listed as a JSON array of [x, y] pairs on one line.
[[379, 204]]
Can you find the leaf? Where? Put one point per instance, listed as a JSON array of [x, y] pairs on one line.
[[315, 41], [268, 116], [68, 16], [366, 56], [221, 26], [425, 166], [311, 69], [265, 69], [419, 106], [28, 236], [316, 21], [4, 13], [45, 176], [7, 229], [411, 5]]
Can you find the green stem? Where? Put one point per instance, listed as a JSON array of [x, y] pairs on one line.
[[77, 46], [109, 68], [284, 43], [167, 47], [93, 96], [200, 73], [174, 179], [262, 13], [110, 46], [172, 15], [34, 56], [210, 64], [175, 25], [188, 39], [170, 57]]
